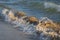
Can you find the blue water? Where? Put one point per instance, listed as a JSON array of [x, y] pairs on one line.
[[31, 12]]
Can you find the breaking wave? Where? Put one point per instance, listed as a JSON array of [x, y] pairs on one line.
[[28, 28]]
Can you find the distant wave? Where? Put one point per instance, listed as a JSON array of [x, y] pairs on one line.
[[52, 5], [41, 5]]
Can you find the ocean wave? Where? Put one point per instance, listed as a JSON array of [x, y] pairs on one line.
[[46, 28]]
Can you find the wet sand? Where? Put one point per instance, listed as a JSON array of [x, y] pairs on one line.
[[7, 32]]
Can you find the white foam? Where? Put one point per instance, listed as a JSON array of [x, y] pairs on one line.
[[50, 5], [4, 11]]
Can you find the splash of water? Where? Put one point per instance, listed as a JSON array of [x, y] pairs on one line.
[[30, 28], [19, 23]]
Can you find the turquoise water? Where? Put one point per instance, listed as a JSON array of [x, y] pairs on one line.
[[29, 11]]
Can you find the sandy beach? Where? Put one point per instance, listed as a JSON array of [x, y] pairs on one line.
[[7, 32]]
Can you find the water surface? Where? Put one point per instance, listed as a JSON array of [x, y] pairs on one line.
[[30, 12]]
